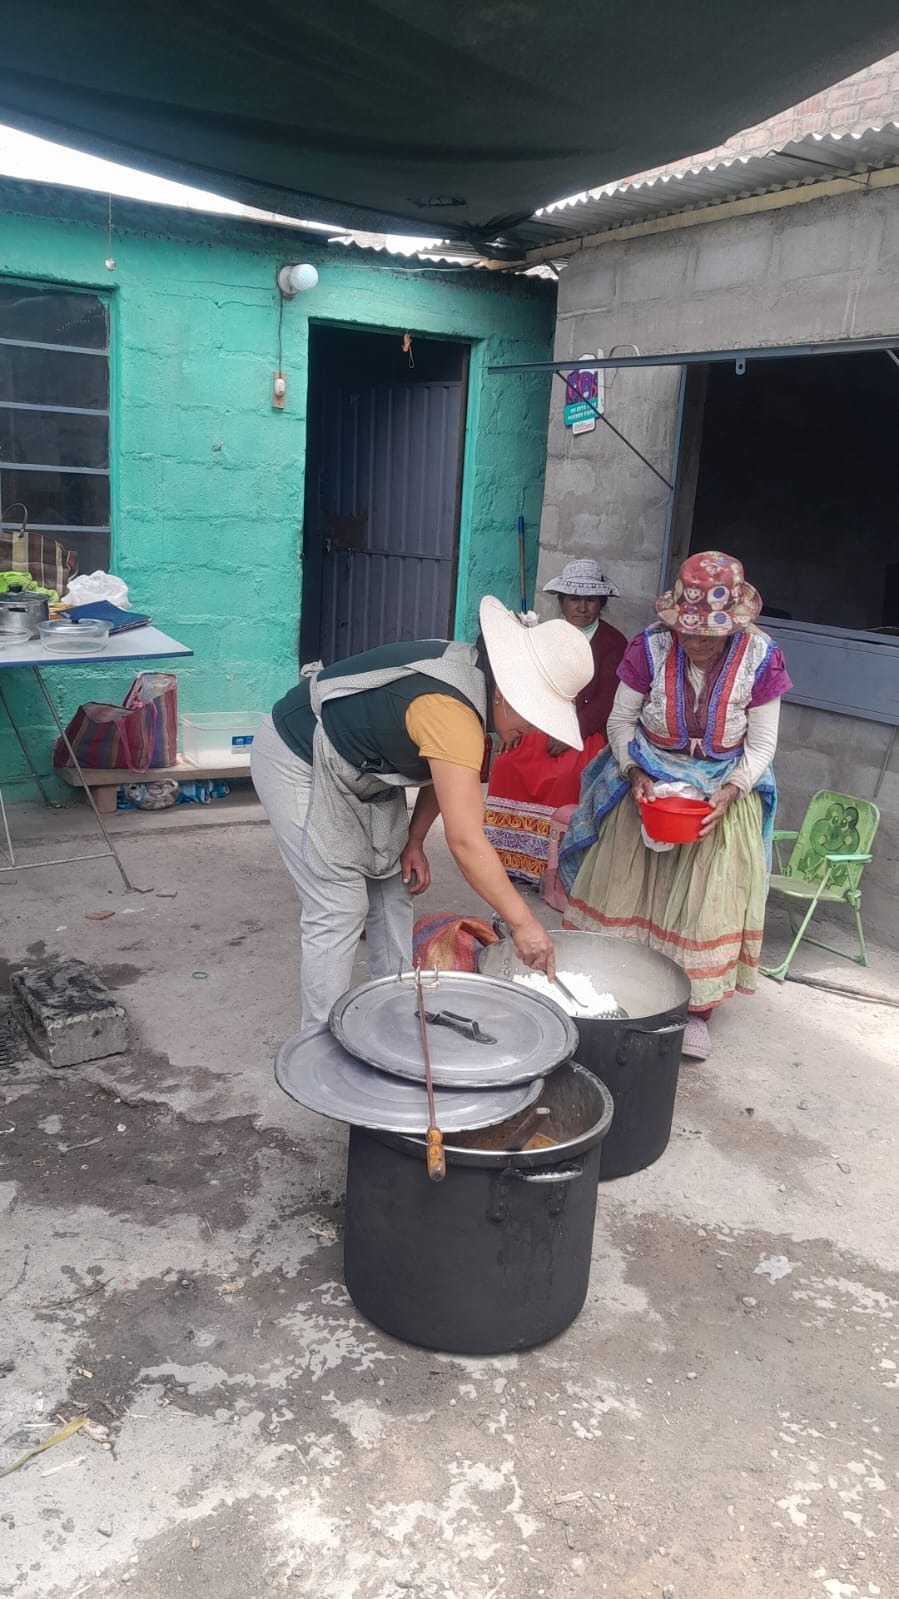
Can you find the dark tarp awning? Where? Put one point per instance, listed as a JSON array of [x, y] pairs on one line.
[[439, 117]]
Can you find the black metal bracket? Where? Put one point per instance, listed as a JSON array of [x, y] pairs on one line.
[[762, 352]]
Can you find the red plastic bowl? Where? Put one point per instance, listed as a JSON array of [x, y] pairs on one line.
[[674, 820]]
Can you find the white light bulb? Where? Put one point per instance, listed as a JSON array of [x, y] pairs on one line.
[[294, 279]]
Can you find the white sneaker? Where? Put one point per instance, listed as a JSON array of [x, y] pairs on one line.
[[697, 1044]]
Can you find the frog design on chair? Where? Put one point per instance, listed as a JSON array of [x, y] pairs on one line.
[[830, 852], [836, 833]]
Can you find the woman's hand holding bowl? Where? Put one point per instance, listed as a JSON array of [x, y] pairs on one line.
[[719, 801], [642, 786]]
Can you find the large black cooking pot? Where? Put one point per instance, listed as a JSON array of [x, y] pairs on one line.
[[637, 1059], [496, 1257]]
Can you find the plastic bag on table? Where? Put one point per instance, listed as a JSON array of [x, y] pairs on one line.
[[91, 586]]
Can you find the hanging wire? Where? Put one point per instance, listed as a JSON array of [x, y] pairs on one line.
[[109, 263], [613, 376], [280, 333]]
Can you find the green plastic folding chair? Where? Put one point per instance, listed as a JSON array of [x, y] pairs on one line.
[[830, 852]]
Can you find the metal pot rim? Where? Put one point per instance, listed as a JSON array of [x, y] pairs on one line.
[[633, 1023], [522, 1160]]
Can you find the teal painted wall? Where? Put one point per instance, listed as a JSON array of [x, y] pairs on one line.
[[208, 479]]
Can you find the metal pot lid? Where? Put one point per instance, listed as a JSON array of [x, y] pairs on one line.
[[317, 1072], [490, 1033]]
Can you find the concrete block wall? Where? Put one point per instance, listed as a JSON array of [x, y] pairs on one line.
[[207, 478], [826, 269]]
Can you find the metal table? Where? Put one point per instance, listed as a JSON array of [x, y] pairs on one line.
[[138, 644]]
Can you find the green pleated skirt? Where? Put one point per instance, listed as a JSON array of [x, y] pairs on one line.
[[701, 904]]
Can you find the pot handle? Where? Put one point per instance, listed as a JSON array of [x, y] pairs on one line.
[[465, 1026], [560, 1174], [658, 1032], [556, 1180]]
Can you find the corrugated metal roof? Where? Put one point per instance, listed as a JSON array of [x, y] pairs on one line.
[[813, 159], [434, 252]]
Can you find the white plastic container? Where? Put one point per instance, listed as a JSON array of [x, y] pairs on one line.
[[218, 738]]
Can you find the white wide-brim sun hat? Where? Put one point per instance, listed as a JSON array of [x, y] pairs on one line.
[[539, 668]]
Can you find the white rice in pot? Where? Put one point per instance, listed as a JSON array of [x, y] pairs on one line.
[[590, 1002]]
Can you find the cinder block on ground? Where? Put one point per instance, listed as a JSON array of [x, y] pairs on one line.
[[71, 1015]]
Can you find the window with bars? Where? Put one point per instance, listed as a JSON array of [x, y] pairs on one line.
[[54, 416]]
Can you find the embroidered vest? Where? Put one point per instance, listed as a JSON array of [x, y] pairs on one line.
[[663, 717]]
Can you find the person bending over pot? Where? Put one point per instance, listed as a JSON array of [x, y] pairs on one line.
[[332, 762]]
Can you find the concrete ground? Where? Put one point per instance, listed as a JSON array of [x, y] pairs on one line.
[[719, 1422]]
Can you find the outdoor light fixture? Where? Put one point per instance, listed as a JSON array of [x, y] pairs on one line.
[[294, 279]]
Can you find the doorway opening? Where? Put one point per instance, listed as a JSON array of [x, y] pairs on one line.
[[384, 445], [792, 465]]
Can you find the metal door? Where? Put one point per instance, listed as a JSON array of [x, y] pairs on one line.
[[388, 513]]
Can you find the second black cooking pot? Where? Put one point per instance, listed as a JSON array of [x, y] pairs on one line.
[[637, 1058], [496, 1257]]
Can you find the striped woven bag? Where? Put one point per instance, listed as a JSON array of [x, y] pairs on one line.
[[451, 943]]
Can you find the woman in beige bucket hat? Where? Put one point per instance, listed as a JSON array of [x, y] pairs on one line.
[[332, 762]]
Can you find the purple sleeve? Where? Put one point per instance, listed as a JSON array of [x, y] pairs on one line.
[[633, 668], [771, 680]]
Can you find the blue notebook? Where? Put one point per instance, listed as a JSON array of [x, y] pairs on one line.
[[104, 611]]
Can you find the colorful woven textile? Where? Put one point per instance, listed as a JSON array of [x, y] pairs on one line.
[[139, 734], [451, 943], [527, 787]]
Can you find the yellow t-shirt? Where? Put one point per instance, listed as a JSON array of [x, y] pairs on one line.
[[443, 729]]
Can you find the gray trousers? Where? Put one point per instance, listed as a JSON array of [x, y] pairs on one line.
[[333, 912]]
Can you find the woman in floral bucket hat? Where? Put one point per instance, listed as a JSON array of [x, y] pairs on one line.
[[698, 704], [540, 775]]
